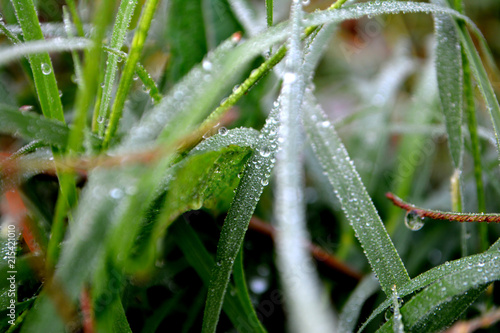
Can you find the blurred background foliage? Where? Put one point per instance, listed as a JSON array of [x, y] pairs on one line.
[[376, 84]]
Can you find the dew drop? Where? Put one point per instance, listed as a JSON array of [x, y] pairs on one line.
[[413, 221], [265, 152], [264, 182], [223, 131], [100, 119], [46, 70], [116, 193], [207, 65]]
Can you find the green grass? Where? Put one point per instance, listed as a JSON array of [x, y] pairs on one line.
[[141, 139]]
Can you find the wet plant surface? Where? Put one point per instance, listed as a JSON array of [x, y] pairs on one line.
[[222, 165]]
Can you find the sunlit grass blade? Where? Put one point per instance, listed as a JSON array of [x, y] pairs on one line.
[[129, 69], [253, 180], [355, 201], [450, 77], [123, 18]]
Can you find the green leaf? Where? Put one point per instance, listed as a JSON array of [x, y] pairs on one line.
[[438, 305], [450, 77], [31, 126], [202, 180], [355, 201], [435, 274], [254, 178]]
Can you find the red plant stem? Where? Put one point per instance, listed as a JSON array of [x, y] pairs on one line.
[[317, 252], [87, 311], [439, 215]]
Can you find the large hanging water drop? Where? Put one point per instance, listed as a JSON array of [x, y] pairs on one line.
[[413, 221]]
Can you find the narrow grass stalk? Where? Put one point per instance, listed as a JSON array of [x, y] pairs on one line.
[[123, 18], [269, 12], [41, 65], [76, 18], [456, 204], [86, 91], [128, 71]]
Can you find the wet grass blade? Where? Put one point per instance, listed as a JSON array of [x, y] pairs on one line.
[[254, 178], [436, 274], [41, 65], [484, 84], [129, 70], [32, 126], [355, 201], [123, 18], [450, 77]]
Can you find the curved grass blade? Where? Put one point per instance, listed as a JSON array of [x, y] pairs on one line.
[[123, 18], [380, 8], [35, 47], [435, 274], [449, 78], [351, 310], [354, 199], [254, 178], [452, 293], [32, 126]]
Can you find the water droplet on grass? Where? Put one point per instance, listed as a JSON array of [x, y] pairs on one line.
[[223, 131], [46, 69], [413, 221]]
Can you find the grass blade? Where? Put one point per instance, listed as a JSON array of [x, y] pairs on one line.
[[449, 77], [252, 183], [435, 274], [352, 308], [301, 287], [31, 126], [354, 199], [484, 84], [123, 18], [41, 65], [129, 70], [36, 47]]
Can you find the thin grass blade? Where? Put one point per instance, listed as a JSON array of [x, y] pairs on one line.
[[355, 201]]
